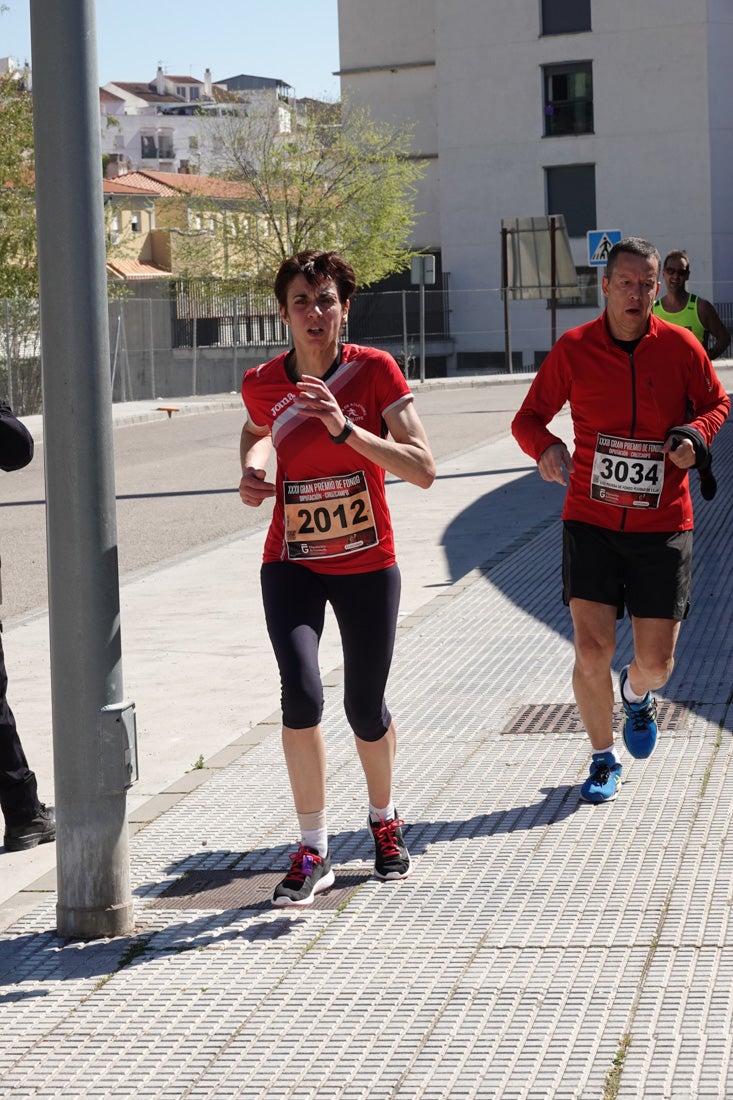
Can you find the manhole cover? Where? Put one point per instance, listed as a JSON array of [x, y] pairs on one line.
[[247, 890], [551, 718]]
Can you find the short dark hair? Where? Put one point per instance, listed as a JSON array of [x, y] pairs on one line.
[[316, 266], [677, 254], [636, 246]]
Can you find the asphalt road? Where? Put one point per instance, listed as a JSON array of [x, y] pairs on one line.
[[177, 485]]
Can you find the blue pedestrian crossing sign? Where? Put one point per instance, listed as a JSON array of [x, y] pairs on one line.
[[600, 243]]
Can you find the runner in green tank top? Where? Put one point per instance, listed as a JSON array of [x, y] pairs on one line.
[[679, 307]]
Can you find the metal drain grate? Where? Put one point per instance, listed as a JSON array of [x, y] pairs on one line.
[[551, 718], [247, 890]]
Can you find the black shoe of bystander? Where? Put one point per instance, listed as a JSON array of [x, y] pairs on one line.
[[39, 830]]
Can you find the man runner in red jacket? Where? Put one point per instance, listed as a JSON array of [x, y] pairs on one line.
[[630, 379]]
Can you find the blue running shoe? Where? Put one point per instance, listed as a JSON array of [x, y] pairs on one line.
[[640, 726], [604, 780]]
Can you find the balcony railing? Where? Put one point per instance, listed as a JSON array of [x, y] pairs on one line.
[[157, 152]]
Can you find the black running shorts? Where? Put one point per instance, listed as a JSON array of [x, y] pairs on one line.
[[649, 574]]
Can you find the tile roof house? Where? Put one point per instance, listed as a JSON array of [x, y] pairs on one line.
[[164, 224], [130, 228]]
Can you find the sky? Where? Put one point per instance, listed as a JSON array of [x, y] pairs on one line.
[[285, 39]]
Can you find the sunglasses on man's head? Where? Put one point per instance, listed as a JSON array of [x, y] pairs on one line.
[[676, 271]]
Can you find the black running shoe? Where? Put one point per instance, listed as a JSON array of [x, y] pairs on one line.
[[39, 830], [309, 874], [391, 859]]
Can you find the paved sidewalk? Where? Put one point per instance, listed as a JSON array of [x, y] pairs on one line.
[[542, 948]]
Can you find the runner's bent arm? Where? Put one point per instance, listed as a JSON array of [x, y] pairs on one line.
[[254, 450], [713, 324], [407, 454], [547, 395]]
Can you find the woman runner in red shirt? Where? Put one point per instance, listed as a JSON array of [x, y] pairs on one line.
[[339, 416]]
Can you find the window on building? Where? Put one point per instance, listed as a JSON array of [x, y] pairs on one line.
[[148, 148], [565, 16], [135, 223], [588, 285], [568, 98], [165, 145], [571, 191]]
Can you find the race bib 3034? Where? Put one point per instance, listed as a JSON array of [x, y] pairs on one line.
[[628, 473]]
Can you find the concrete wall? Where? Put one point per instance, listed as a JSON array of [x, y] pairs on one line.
[[394, 75]]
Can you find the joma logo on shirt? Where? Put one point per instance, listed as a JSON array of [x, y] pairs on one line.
[[282, 404]]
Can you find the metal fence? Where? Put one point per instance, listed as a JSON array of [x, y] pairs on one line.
[[203, 316]]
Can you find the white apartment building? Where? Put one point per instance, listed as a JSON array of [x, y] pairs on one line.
[[169, 124], [614, 113]]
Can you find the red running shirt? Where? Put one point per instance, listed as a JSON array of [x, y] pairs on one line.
[[330, 511]]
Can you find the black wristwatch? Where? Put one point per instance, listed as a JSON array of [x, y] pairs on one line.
[[344, 433]]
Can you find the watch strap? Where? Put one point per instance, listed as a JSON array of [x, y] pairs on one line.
[[344, 433]]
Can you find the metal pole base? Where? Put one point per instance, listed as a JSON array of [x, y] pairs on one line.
[[93, 924]]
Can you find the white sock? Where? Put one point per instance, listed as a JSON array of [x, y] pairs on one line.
[[387, 813], [629, 694], [611, 750], [314, 831]]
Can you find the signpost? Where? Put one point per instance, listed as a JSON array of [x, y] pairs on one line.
[[600, 243], [422, 271], [536, 262]]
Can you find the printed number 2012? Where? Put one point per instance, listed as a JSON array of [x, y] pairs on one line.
[[320, 520], [635, 473]]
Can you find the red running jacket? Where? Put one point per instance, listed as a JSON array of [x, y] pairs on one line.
[[617, 398]]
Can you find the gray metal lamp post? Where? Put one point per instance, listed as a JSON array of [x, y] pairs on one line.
[[93, 728]]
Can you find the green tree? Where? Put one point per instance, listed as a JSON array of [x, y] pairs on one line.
[[20, 373], [336, 179], [18, 246]]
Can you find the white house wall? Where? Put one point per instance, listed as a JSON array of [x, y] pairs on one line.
[[662, 145], [123, 138], [394, 76], [720, 72]]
